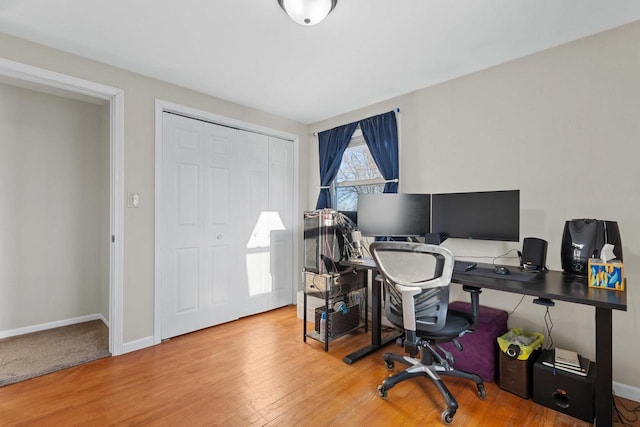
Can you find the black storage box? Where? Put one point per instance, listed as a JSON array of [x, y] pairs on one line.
[[515, 375], [339, 323], [565, 392]]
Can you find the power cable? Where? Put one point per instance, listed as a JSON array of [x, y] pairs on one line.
[[625, 419]]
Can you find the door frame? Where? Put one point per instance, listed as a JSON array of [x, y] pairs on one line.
[[170, 107], [58, 83]]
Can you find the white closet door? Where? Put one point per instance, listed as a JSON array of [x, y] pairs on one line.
[[281, 201], [267, 212], [256, 222], [200, 232], [227, 215]]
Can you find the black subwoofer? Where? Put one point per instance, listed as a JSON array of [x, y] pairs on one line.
[[565, 392]]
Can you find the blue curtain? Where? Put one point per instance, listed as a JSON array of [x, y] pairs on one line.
[[331, 144], [381, 135]]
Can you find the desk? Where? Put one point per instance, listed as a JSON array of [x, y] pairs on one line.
[[558, 286], [553, 285]]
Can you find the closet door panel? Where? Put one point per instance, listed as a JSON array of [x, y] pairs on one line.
[[198, 232], [255, 213], [281, 202]]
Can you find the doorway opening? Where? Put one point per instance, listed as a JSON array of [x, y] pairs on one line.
[[61, 196]]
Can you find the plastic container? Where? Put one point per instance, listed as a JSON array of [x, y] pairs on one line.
[[519, 344]]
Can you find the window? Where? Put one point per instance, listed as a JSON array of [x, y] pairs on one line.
[[358, 174]]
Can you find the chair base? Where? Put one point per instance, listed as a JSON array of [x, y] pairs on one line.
[[425, 367]]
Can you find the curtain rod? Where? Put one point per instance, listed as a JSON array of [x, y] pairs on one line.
[[396, 180], [397, 110]]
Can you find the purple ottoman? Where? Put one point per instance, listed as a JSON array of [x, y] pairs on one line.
[[480, 349]]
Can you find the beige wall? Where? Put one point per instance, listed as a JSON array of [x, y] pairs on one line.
[[53, 205], [140, 94], [563, 126]]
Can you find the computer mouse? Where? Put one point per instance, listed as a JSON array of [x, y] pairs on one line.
[[501, 270]]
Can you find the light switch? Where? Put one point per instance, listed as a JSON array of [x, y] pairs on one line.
[[133, 200]]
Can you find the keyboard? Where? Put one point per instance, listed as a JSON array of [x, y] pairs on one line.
[[462, 266]]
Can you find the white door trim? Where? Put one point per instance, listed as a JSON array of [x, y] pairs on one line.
[[166, 106], [51, 79]]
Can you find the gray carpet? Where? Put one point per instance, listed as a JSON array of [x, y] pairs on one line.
[[39, 353]]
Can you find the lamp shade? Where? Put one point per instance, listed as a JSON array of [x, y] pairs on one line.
[[307, 12]]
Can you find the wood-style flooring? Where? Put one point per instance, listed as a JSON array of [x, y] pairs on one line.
[[256, 371]]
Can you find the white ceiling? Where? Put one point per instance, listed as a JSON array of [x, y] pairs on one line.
[[251, 53]]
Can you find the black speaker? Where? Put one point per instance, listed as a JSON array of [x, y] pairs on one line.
[[563, 391], [434, 238], [534, 253]]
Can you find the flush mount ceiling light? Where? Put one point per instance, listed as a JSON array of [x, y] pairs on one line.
[[307, 12]]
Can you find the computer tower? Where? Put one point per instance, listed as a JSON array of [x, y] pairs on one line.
[[321, 246], [583, 239], [565, 392]]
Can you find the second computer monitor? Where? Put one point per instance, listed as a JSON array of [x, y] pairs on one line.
[[488, 215], [393, 214]]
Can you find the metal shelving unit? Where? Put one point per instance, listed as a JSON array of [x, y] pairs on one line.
[[334, 288]]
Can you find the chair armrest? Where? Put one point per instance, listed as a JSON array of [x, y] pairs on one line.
[[475, 302]]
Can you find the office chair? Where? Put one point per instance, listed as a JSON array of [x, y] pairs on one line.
[[416, 283]]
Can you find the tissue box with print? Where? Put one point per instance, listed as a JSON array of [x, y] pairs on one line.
[[606, 274]]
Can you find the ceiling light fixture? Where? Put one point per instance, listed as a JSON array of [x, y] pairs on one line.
[[307, 12]]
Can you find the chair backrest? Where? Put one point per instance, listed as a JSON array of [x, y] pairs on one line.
[[416, 277]]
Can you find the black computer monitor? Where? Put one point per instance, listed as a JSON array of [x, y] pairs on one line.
[[393, 214], [487, 215]]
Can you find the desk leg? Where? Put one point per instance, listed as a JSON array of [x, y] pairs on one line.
[[376, 326], [304, 319], [366, 308], [604, 375], [376, 311]]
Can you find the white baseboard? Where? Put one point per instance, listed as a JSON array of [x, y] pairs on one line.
[[104, 320], [50, 325], [138, 344], [626, 391]]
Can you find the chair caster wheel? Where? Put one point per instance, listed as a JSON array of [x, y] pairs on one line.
[[482, 393], [390, 365], [447, 416], [382, 392]]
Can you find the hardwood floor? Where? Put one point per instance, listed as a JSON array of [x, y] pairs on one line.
[[253, 372]]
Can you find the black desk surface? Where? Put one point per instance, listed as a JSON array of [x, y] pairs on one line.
[[554, 285]]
